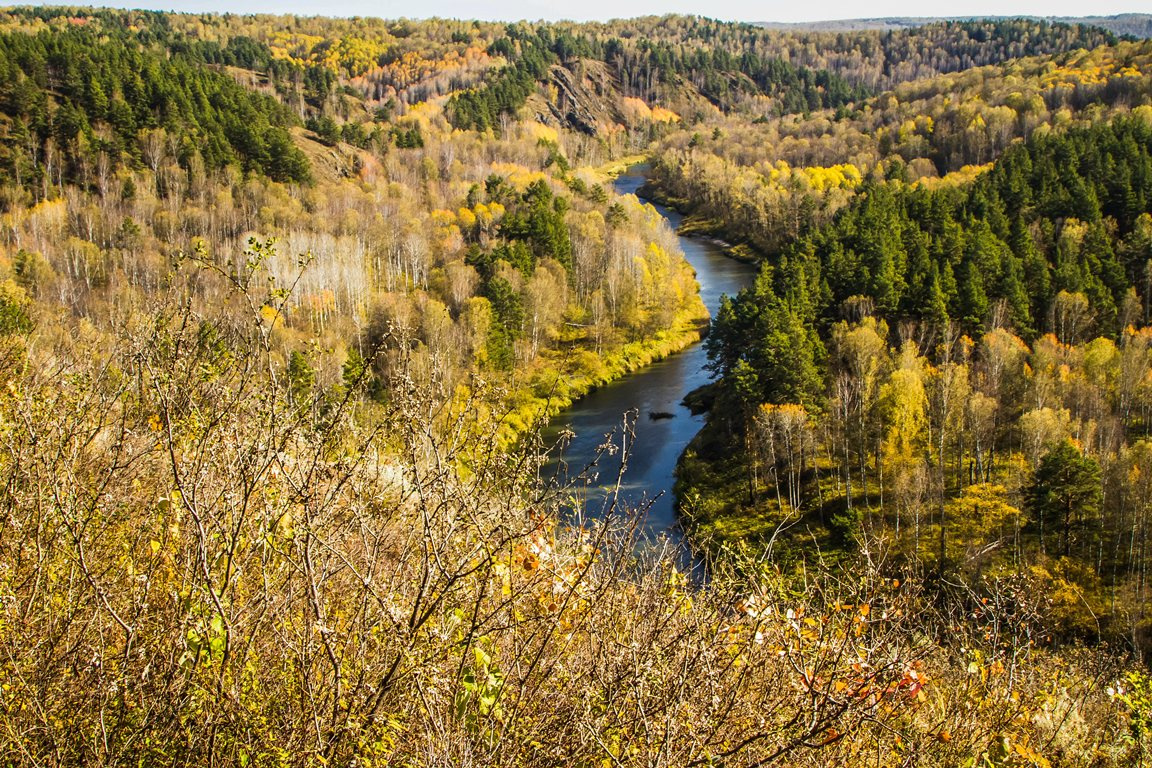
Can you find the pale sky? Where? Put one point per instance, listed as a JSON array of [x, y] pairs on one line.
[[582, 10]]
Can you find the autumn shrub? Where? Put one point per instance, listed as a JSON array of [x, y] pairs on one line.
[[206, 561]]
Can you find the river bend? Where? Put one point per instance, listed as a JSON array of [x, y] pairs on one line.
[[656, 389]]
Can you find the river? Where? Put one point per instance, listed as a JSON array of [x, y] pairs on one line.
[[658, 388]]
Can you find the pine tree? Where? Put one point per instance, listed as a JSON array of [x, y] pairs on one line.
[[1065, 490]]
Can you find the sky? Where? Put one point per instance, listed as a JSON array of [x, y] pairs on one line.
[[582, 10]]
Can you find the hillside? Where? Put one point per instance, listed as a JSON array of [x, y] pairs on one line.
[[769, 179], [1134, 24], [944, 349]]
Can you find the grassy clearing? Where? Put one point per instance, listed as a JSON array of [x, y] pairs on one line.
[[612, 169]]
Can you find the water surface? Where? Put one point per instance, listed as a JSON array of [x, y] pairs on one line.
[[658, 388]]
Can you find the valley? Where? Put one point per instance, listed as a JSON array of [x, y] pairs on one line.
[[355, 411], [661, 425]]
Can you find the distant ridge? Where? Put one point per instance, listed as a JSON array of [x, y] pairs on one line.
[[1134, 24]]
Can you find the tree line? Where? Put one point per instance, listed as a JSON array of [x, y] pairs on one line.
[[766, 182]]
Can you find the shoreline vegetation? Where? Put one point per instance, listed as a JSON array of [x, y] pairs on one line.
[[549, 390], [708, 527], [696, 225], [982, 410], [562, 377]]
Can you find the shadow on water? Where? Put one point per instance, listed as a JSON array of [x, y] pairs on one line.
[[659, 426]]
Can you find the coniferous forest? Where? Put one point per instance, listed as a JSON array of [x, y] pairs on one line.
[[287, 304]]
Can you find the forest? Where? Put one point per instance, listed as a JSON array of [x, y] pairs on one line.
[[287, 302], [945, 127], [958, 370]]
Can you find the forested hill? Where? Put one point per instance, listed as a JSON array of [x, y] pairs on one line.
[[688, 65], [882, 58], [77, 103], [955, 365], [84, 92], [768, 180], [1061, 213], [1055, 236], [1134, 24]]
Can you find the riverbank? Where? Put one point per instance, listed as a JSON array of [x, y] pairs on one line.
[[711, 488], [654, 390], [695, 225], [712, 504], [612, 170], [561, 378]]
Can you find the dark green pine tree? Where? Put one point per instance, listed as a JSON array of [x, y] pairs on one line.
[[768, 336], [1066, 491], [1035, 272], [507, 322]]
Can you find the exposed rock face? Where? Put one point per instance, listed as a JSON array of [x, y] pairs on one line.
[[583, 96], [572, 102], [329, 163], [586, 95]]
